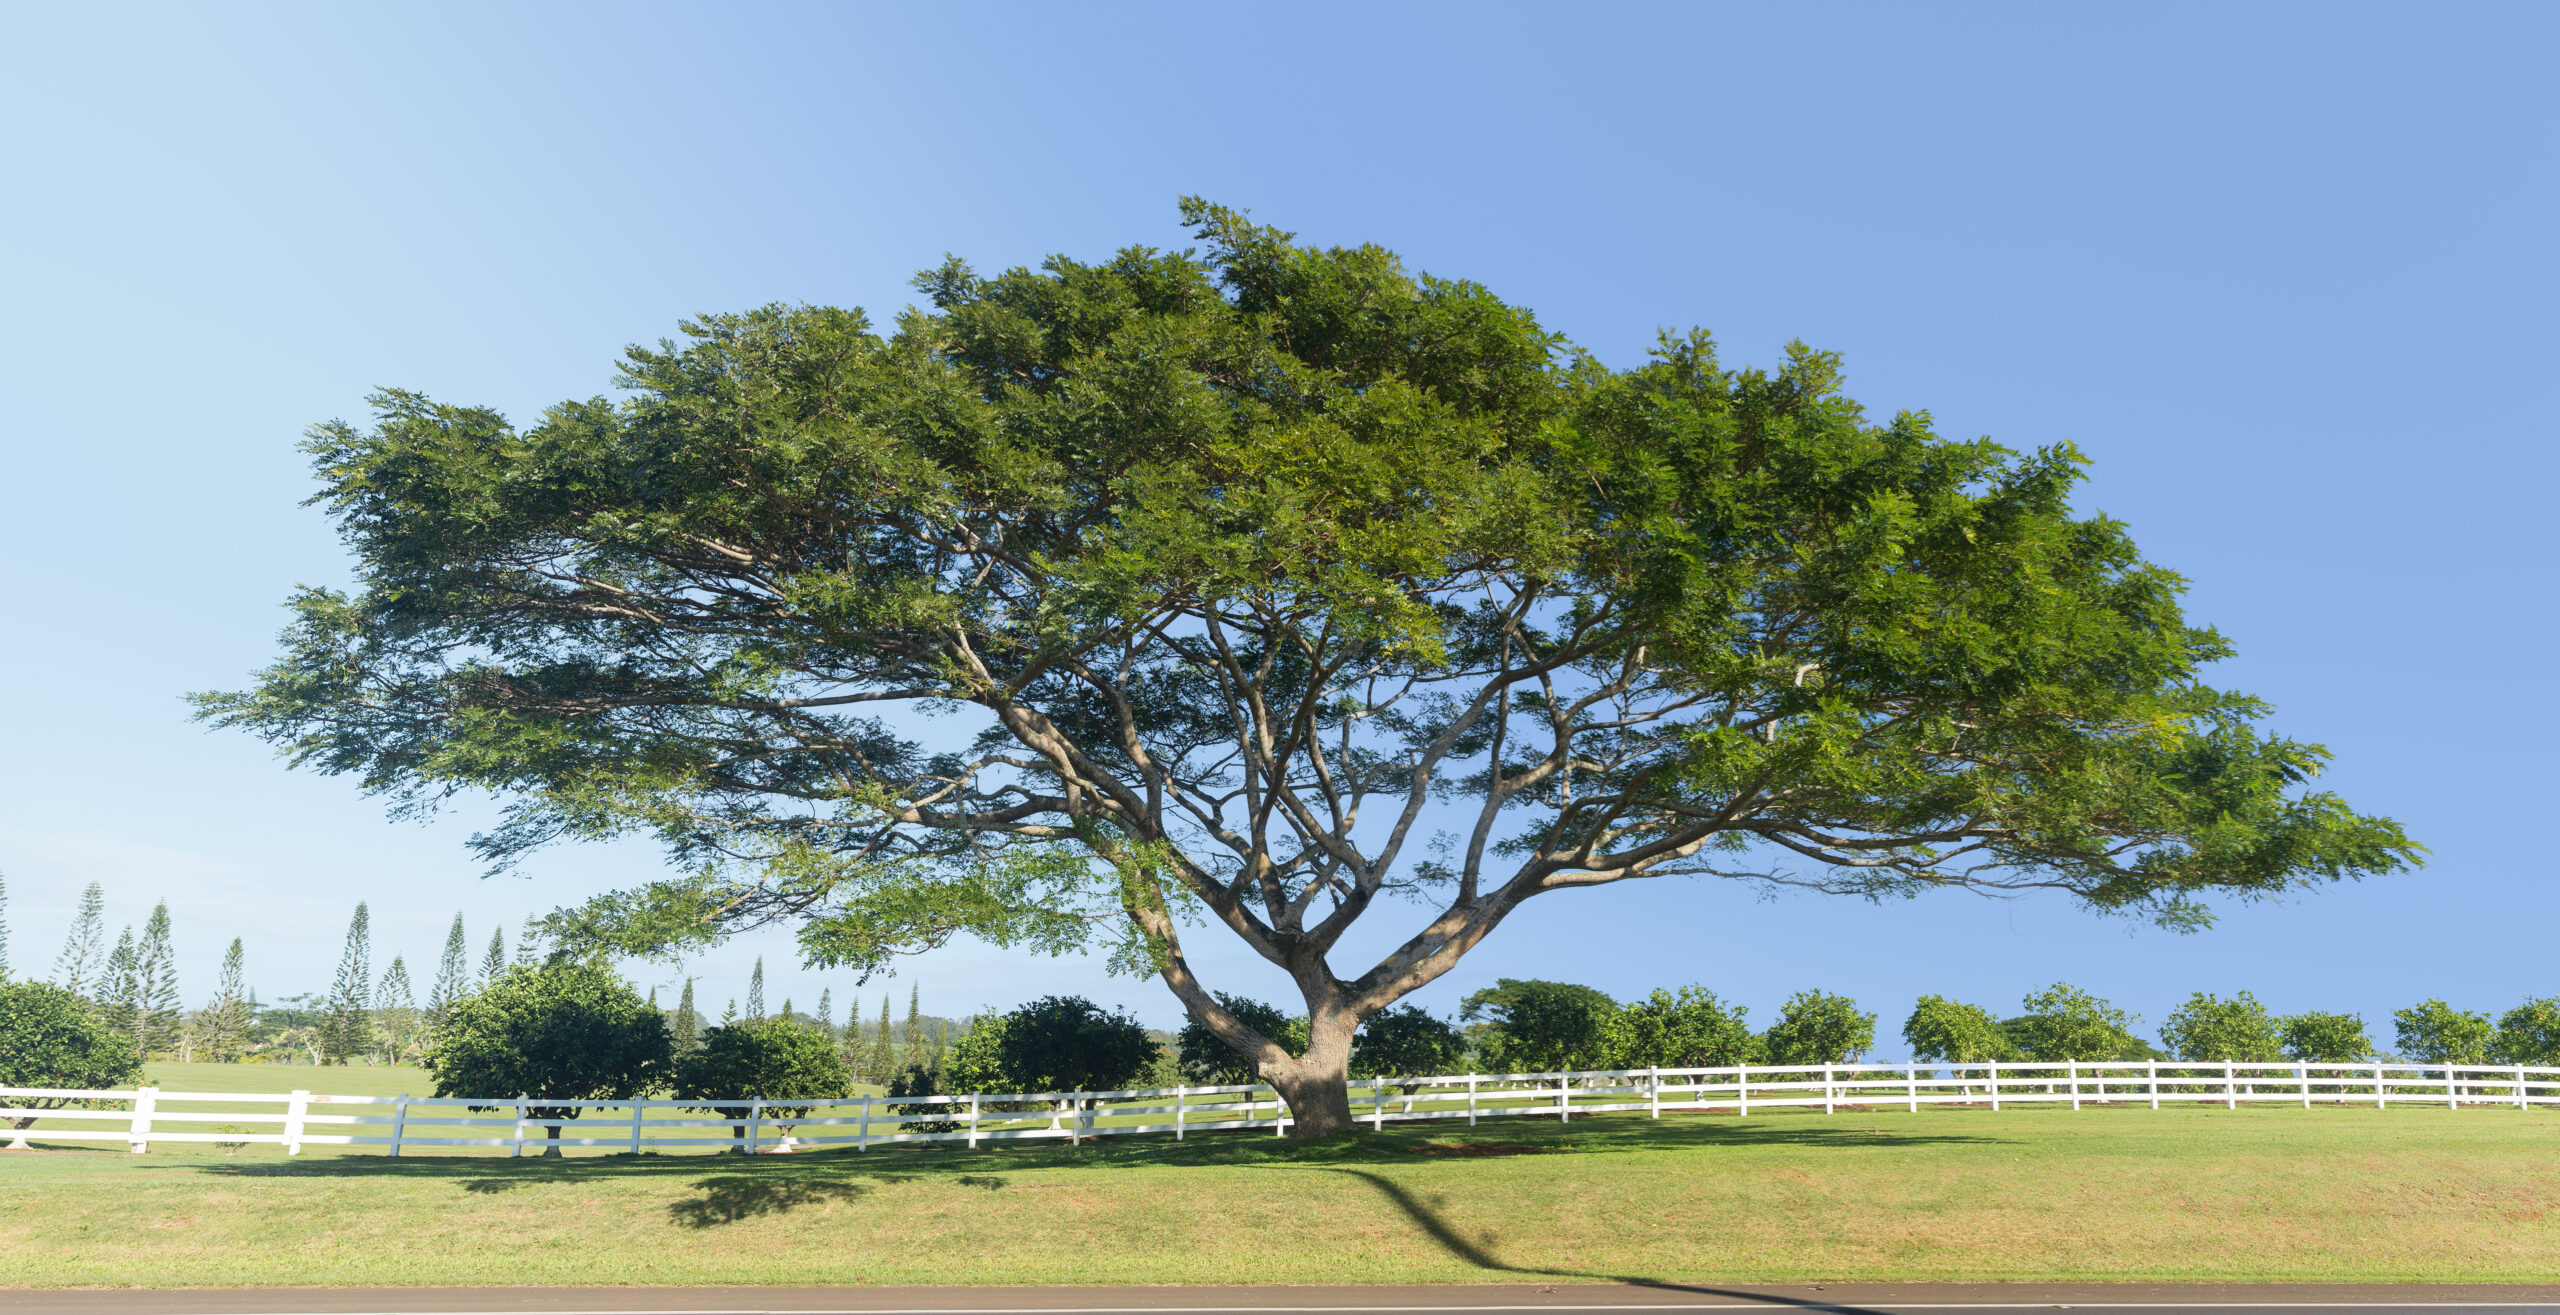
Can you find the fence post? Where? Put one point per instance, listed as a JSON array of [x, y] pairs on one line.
[[639, 1105], [1279, 1114], [2152, 1076], [1178, 1112], [1653, 1088], [1991, 1082], [2520, 1102], [862, 1133], [294, 1108], [1911, 1074], [1075, 1118], [1830, 1091], [1742, 1091], [2380, 1101], [2304, 1071], [973, 1120], [145, 1099], [755, 1123], [2230, 1087], [518, 1153], [2071, 1070], [399, 1123], [1378, 1108], [2452, 1092], [1471, 1100]]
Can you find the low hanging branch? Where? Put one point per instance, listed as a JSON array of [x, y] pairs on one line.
[[1243, 587]]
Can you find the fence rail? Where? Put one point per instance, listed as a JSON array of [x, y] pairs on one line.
[[758, 1126]]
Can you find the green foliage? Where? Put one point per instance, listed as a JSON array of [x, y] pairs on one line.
[[2528, 1034], [976, 1061], [50, 1037], [919, 1080], [2433, 1032], [1405, 1042], [1689, 1028], [1541, 1026], [350, 1021], [2063, 1022], [2207, 1028], [2318, 1038], [1259, 511], [559, 1031], [1210, 1062], [1818, 1028], [1954, 1033], [1069, 1043], [772, 1059]]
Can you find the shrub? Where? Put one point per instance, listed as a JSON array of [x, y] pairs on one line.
[[1406, 1042], [2528, 1034], [1688, 1028], [918, 1080], [1211, 1062], [763, 1059], [1069, 1043], [2433, 1032], [1814, 1027], [1541, 1026], [2063, 1022], [51, 1038], [2213, 1030], [1950, 1032], [2318, 1038], [557, 1031]]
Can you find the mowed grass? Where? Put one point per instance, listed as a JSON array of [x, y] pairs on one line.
[[2106, 1193]]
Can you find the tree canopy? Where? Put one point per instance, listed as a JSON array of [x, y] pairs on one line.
[[1203, 587], [554, 1032], [50, 1037]]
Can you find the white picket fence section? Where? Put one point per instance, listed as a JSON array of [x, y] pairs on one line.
[[774, 1127]]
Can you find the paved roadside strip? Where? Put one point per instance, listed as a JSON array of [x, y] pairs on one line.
[[1848, 1298]]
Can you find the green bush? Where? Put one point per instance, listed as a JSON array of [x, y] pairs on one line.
[[1406, 1042], [1688, 1028], [2063, 1022], [50, 1038], [2528, 1034], [2208, 1029], [1541, 1026], [1950, 1032], [918, 1080], [2433, 1032], [1058, 1043], [1210, 1062], [2318, 1038], [771, 1059], [1815, 1027], [552, 1032]]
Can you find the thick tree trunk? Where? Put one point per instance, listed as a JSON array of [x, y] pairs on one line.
[[1317, 1084], [554, 1147]]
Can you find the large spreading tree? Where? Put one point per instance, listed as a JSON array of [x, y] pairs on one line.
[[1263, 587]]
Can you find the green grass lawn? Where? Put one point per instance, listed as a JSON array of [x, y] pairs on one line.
[[1949, 1194]]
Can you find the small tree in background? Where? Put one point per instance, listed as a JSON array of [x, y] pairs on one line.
[[1211, 1062], [2433, 1032], [827, 1013], [493, 961], [1687, 1028], [1405, 1042], [49, 1037], [688, 1023], [2208, 1029], [1069, 1043], [119, 989], [1816, 1027], [1950, 1032], [773, 1059], [2063, 1022], [84, 951], [349, 1026], [755, 992], [396, 1014], [2528, 1034], [1540, 1026], [222, 1026], [556, 1032], [2317, 1038], [157, 1013], [453, 976], [881, 1063]]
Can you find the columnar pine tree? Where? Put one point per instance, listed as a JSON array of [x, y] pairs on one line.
[[396, 1009], [884, 1051], [116, 988], [83, 963], [348, 1025], [223, 1026], [529, 943], [755, 992], [157, 1014], [941, 1049], [785, 1015], [688, 1024], [827, 1013], [493, 965], [911, 1037], [453, 976]]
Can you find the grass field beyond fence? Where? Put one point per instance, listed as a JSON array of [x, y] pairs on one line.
[[2043, 1192]]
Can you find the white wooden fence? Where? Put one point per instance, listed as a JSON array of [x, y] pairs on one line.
[[399, 1123]]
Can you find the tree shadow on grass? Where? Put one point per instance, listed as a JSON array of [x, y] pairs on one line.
[[728, 1200]]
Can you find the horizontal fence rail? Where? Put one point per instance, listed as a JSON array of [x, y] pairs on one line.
[[145, 1115]]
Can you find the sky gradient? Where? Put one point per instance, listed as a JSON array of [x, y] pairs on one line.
[[2283, 272]]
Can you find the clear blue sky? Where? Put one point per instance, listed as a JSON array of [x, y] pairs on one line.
[[2285, 272]]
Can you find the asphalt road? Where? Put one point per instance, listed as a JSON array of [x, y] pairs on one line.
[[1846, 1298]]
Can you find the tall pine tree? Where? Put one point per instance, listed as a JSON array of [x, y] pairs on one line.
[[493, 965], [83, 964], [529, 944], [117, 988], [396, 1009], [222, 1027], [827, 1013], [755, 992], [453, 976], [883, 1061], [157, 1014], [688, 1024], [346, 1028], [911, 1037]]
